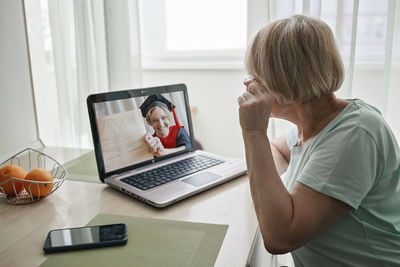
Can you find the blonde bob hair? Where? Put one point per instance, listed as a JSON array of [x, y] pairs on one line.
[[296, 58]]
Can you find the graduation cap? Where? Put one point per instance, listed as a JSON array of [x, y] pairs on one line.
[[158, 100]]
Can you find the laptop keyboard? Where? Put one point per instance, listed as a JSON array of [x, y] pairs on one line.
[[155, 177]]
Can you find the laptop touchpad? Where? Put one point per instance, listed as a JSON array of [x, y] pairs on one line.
[[201, 178]]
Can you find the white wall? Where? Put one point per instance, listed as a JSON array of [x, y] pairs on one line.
[[17, 112]]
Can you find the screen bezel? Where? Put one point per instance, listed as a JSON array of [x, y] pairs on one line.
[[118, 95]]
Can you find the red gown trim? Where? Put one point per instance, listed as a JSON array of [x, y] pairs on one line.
[[170, 140]]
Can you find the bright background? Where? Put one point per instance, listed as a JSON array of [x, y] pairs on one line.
[[86, 46]]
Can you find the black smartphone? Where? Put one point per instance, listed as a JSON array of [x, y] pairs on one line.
[[85, 237]]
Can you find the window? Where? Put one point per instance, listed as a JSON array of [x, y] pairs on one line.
[[371, 27], [214, 33], [208, 32], [338, 14], [198, 25]]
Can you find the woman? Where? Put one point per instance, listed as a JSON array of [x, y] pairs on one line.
[[340, 205], [166, 139]]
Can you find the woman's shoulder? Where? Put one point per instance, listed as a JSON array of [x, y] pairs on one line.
[[367, 111], [361, 118], [357, 118], [359, 115]]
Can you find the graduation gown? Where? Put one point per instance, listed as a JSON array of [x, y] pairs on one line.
[[177, 137]]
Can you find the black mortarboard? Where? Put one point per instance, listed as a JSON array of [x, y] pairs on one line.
[[158, 100], [155, 100]]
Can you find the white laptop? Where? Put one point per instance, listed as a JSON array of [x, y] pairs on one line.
[[144, 145]]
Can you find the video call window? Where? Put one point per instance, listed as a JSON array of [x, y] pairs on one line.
[[138, 129]]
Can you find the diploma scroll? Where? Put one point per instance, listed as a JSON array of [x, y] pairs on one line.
[[121, 138]]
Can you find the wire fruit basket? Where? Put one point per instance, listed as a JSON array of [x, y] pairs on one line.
[[30, 159]]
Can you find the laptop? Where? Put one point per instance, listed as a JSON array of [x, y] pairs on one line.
[[145, 147]]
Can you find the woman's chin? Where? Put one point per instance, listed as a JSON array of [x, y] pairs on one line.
[[162, 134]]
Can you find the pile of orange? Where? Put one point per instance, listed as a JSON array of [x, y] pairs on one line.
[[38, 189], [14, 186]]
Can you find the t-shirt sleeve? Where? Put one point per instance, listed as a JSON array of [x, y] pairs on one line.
[[343, 165], [182, 138]]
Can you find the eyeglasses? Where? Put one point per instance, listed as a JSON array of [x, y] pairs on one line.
[[249, 79]]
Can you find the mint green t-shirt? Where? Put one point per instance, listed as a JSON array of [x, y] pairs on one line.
[[354, 159]]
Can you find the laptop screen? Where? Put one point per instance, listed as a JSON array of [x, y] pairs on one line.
[[133, 128]]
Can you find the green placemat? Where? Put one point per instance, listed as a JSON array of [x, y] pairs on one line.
[[151, 242], [83, 168]]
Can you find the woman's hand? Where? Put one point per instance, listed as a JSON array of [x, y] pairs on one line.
[[255, 106], [153, 145]]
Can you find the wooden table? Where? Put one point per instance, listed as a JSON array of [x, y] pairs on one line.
[[23, 228]]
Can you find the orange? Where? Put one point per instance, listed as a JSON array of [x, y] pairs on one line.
[[7, 172], [38, 189]]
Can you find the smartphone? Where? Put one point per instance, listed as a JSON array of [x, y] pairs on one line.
[[85, 237]]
